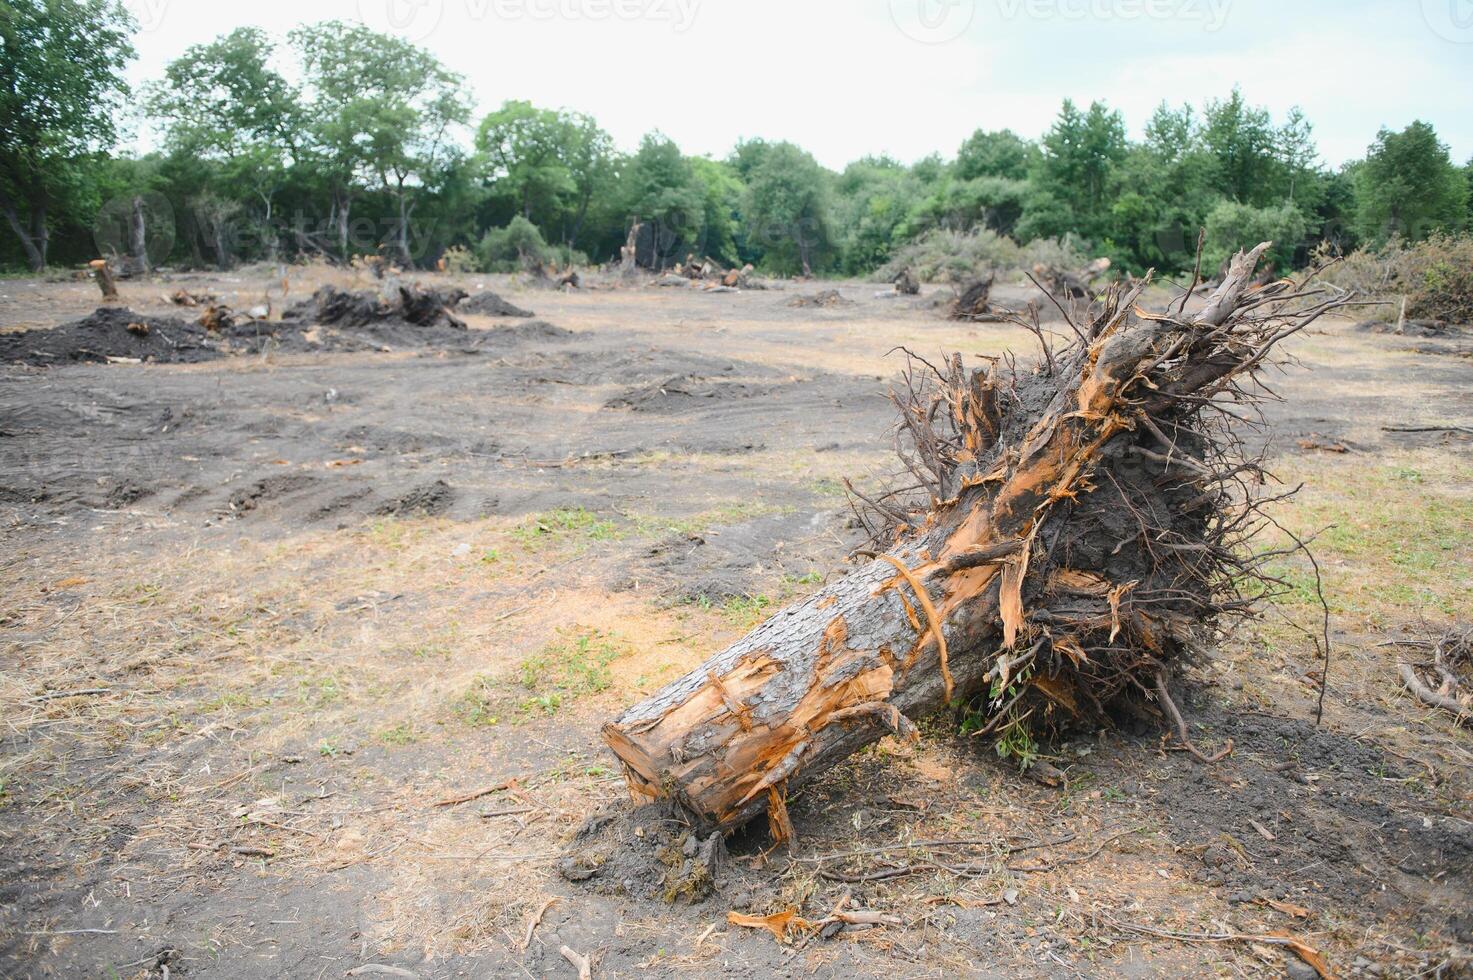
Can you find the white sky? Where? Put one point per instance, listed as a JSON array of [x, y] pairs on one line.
[[906, 77]]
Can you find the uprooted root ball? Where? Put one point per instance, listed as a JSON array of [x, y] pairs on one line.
[[1069, 534]]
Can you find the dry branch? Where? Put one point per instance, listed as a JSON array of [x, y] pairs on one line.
[[1080, 528]]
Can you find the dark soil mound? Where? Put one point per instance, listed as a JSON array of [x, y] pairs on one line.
[[428, 499], [647, 853], [531, 330], [413, 305], [826, 298], [489, 304], [678, 393], [111, 332]]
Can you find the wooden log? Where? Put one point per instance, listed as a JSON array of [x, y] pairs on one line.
[[905, 633]]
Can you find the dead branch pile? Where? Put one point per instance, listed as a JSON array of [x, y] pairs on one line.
[[827, 298], [708, 273], [217, 318], [407, 304], [1071, 533], [183, 297], [1444, 677]]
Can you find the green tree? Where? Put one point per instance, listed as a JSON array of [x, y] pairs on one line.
[[1164, 191], [517, 247], [873, 200], [1001, 153], [550, 163], [1409, 186], [1232, 226], [523, 147], [660, 188], [1241, 140], [223, 102], [383, 113], [786, 208], [1071, 183], [61, 85], [722, 204]]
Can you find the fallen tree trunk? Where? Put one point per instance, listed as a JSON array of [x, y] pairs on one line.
[[1059, 564]]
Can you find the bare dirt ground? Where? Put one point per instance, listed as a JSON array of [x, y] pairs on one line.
[[263, 615]]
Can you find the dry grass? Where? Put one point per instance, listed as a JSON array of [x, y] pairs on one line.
[[354, 652]]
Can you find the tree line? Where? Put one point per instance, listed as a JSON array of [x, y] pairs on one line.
[[378, 149]]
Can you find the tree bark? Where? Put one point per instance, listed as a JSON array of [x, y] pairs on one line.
[[33, 239], [104, 279], [629, 253], [138, 234], [907, 632], [343, 202]]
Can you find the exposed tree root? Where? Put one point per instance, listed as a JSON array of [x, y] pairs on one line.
[[1164, 694], [1071, 531]]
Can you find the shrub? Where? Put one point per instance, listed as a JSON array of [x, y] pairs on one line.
[[941, 255], [1232, 226], [459, 259], [1062, 253], [517, 247], [1434, 276]]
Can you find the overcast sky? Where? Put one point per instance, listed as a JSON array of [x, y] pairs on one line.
[[906, 77]]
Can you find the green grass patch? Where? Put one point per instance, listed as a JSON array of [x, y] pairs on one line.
[[400, 734], [576, 664], [572, 666], [563, 524]]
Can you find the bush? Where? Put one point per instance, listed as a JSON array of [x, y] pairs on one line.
[[941, 255], [1232, 226], [567, 256], [458, 259], [1435, 277], [518, 247], [1061, 253]]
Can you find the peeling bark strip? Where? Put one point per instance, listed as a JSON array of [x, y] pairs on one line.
[[977, 573]]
